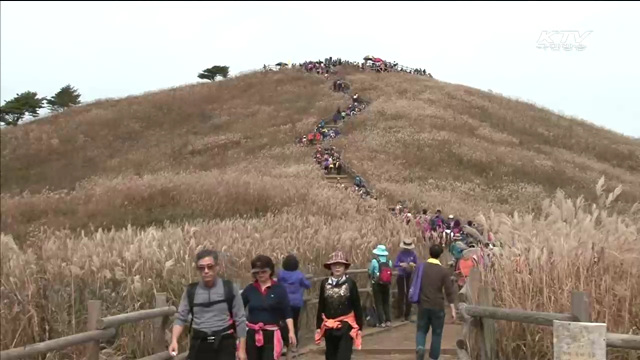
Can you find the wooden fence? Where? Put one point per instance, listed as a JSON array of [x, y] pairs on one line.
[[479, 316], [102, 328]]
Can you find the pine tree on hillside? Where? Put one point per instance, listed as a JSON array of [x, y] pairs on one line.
[[213, 72], [27, 103], [66, 97]]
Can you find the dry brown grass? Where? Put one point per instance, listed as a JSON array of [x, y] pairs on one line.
[[451, 146], [571, 245], [199, 127], [46, 284], [167, 156], [214, 165]]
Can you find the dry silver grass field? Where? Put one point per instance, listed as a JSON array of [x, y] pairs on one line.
[[213, 165], [465, 150]]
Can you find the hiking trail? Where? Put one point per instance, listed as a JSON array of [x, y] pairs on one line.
[[399, 341]]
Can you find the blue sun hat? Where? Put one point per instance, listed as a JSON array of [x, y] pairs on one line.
[[381, 250]]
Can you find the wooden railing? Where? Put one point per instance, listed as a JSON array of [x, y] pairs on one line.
[[479, 318], [103, 328]]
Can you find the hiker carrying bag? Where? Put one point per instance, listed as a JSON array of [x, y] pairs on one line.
[[384, 272], [229, 297], [416, 282]]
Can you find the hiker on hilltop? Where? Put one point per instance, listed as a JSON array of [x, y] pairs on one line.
[[217, 315], [432, 279], [268, 306], [339, 318], [295, 282], [405, 263], [380, 274]]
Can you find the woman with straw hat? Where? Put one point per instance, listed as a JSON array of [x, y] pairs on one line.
[[405, 263], [339, 319], [380, 273]]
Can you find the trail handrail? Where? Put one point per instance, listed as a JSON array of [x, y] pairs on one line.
[[57, 344], [106, 327], [516, 315], [481, 318], [614, 340], [117, 320]]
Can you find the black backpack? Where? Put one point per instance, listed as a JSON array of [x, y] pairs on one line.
[[229, 297]]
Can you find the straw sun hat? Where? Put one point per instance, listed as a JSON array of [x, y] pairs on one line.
[[337, 257], [407, 244]]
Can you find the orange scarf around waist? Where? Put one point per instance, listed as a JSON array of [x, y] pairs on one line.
[[337, 324]]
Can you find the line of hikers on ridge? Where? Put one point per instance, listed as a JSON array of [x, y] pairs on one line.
[[392, 67], [325, 67], [262, 320]]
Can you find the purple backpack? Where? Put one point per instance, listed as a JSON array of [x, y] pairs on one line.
[[416, 281]]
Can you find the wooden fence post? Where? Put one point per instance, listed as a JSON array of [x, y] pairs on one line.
[[580, 306], [475, 333], [488, 325], [94, 313], [159, 325]]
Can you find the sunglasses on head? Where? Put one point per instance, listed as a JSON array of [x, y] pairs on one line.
[[209, 267]]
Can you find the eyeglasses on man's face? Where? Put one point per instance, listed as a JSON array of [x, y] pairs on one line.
[[203, 267]]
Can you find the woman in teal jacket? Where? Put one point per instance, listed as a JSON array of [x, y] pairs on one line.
[[380, 271]]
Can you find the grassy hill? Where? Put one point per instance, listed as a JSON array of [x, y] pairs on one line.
[[452, 146], [214, 164], [163, 156], [147, 159]]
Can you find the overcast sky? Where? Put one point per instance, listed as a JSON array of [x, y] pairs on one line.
[[114, 49]]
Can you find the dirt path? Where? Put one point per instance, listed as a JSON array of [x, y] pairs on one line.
[[396, 343]]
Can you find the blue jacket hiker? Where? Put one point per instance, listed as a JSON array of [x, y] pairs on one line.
[[295, 282], [380, 273]]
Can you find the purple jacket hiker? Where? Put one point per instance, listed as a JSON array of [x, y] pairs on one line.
[[296, 283], [405, 256]]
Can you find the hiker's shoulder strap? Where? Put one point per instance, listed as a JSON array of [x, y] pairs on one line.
[[229, 295], [191, 295]]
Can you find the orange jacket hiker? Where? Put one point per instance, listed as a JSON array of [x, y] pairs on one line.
[[337, 324]]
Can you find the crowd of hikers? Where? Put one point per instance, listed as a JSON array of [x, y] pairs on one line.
[[324, 67], [466, 242], [326, 156], [262, 320]]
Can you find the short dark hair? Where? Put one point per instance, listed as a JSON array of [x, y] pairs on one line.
[[263, 262], [205, 253], [435, 251], [290, 263], [424, 211]]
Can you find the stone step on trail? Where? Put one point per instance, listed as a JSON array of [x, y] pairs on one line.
[[343, 179]]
